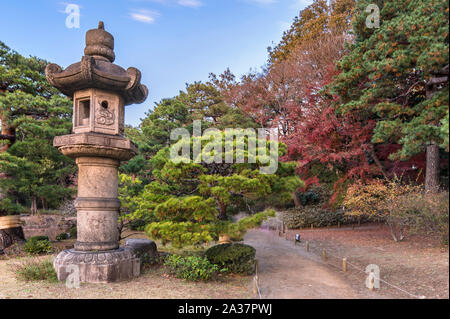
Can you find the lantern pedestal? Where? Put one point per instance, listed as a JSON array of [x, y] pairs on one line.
[[97, 254], [98, 267]]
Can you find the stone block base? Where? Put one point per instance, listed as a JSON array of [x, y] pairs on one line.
[[145, 250], [98, 267]]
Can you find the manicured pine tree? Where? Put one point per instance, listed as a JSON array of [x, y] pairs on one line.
[[190, 203], [200, 101]]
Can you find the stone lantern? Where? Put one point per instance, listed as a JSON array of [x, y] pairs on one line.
[[100, 90]]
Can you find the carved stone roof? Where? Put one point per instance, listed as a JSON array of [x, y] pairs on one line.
[[96, 70]]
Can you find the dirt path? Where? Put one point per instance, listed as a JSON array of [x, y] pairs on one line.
[[285, 271]]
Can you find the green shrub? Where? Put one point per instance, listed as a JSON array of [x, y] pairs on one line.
[[191, 268], [138, 225], [38, 245], [34, 270], [38, 238], [303, 217], [147, 259], [235, 258], [317, 195], [73, 232], [62, 236], [309, 198]]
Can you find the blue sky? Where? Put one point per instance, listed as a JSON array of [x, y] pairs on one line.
[[172, 42]]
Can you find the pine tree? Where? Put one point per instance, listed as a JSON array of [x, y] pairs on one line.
[[201, 101], [397, 74], [168, 115], [32, 113], [190, 203]]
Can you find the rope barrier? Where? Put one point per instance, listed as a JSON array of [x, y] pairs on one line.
[[309, 246]]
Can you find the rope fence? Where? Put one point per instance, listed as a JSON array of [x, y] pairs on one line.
[[323, 256]]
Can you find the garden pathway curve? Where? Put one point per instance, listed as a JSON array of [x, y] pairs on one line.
[[287, 271]]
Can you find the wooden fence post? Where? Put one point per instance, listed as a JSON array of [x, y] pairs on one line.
[[344, 264], [324, 255]]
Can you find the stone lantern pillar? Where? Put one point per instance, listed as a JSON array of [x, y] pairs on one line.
[[100, 90]]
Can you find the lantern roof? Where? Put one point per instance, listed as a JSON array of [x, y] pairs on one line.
[[97, 70]]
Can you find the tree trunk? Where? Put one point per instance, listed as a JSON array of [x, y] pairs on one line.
[[222, 211], [11, 236], [8, 236], [375, 158], [296, 200], [33, 209], [432, 169], [44, 203], [7, 133], [396, 230]]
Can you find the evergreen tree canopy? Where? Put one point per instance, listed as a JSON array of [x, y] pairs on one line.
[[32, 113], [190, 203], [398, 73]]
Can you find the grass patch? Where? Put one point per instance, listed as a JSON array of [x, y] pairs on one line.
[[38, 245], [35, 269]]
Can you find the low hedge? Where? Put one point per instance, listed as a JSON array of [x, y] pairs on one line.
[[318, 217], [236, 258]]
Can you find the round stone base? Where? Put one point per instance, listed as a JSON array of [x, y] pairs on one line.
[[97, 267]]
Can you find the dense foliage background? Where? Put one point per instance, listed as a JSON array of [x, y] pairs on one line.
[[354, 105]]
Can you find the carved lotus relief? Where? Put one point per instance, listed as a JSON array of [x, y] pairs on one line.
[[103, 115]]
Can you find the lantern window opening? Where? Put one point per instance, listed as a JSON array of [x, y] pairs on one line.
[[84, 110]]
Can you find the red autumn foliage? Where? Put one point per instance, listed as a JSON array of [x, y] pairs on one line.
[[292, 96]]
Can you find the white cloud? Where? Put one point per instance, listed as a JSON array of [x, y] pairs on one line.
[[145, 16], [190, 3]]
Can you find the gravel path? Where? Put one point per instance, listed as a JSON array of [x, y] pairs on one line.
[[286, 271]]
